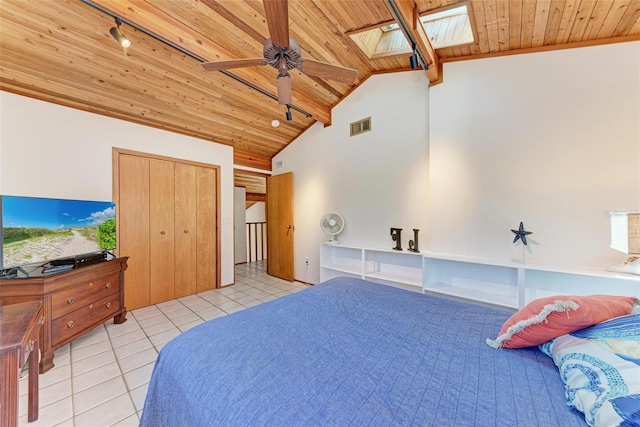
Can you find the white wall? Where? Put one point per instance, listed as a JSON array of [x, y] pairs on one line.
[[376, 180], [256, 212], [551, 139], [239, 224], [53, 151]]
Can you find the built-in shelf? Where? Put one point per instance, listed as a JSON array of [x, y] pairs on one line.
[[396, 268], [497, 282]]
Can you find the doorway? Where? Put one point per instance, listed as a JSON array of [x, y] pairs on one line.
[[250, 189]]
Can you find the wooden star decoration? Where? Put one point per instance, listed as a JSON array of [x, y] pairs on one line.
[[521, 234]]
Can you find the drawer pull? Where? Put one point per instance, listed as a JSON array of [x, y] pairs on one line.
[[70, 324], [162, 232], [70, 300], [108, 305], [108, 285]]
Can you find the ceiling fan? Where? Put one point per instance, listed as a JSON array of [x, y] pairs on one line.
[[284, 54]]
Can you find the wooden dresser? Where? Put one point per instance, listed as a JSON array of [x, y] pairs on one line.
[[74, 302], [19, 338]]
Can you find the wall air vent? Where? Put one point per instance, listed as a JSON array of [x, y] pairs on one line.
[[361, 126]]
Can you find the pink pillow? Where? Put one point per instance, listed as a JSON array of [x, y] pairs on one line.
[[546, 318]]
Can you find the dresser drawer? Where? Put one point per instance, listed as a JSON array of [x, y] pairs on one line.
[[68, 300], [69, 325]]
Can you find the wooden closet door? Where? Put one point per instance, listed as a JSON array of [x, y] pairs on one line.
[[206, 242], [162, 231], [185, 230], [133, 227]]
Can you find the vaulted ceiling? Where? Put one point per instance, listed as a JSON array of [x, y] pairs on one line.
[[62, 51]]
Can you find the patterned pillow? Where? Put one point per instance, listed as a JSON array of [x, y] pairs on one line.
[[546, 318], [600, 367]]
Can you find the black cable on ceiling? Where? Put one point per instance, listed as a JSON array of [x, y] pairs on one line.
[[190, 54]]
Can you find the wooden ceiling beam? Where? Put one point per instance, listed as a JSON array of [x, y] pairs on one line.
[[244, 158], [408, 12], [150, 18]]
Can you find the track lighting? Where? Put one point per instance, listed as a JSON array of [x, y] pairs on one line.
[[117, 34], [288, 114], [413, 59]]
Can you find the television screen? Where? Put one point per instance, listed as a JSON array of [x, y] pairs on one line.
[[36, 230]]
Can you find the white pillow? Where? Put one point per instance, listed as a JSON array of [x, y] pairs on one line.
[[631, 265]]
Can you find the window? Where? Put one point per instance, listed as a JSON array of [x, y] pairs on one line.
[[445, 27]]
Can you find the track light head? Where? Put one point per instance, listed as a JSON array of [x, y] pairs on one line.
[[288, 113], [117, 34], [413, 61]]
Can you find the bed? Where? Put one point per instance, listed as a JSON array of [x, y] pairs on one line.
[[352, 352]]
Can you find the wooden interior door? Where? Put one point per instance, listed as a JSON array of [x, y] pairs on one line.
[[206, 241], [133, 226], [161, 221], [280, 229], [185, 230]]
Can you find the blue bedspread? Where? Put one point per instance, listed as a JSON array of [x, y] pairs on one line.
[[351, 352]]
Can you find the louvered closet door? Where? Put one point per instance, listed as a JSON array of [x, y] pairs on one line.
[[206, 228], [162, 231], [185, 230], [133, 226]]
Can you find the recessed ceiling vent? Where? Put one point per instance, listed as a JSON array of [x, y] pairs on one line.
[[361, 126]]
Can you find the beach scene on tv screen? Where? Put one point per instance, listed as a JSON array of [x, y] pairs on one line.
[[38, 229]]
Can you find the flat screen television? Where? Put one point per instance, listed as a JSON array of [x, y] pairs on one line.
[[37, 230]]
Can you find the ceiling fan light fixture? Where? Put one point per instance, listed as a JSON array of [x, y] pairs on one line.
[[119, 36]]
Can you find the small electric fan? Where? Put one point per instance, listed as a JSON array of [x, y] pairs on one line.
[[332, 223]]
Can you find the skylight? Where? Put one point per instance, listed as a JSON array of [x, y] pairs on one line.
[[445, 28]]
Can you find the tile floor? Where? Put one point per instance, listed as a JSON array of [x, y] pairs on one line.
[[101, 378]]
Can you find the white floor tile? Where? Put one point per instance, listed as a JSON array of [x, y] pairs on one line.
[[50, 415], [98, 394], [112, 364], [95, 377], [132, 348], [138, 359], [93, 362], [108, 413], [138, 377]]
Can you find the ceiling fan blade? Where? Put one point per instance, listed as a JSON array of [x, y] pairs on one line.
[[277, 13], [232, 63], [327, 71], [284, 89]]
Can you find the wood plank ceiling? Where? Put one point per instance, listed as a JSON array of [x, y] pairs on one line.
[[61, 51]]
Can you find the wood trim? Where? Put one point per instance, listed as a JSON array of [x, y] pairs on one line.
[[549, 48], [370, 27], [165, 158], [248, 172], [255, 197]]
